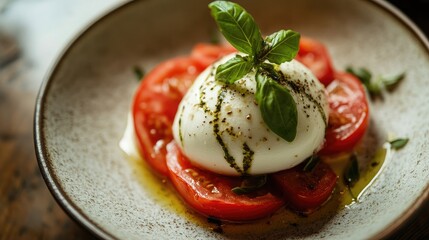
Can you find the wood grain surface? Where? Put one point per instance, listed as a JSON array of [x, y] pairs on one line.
[[28, 47], [27, 209]]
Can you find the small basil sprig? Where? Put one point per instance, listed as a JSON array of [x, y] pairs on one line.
[[277, 105], [398, 143], [250, 184], [375, 85], [138, 72], [233, 69], [351, 174], [237, 26], [282, 46]]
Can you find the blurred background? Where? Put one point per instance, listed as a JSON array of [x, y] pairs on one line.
[[32, 35]]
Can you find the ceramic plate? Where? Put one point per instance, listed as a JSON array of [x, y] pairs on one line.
[[82, 112]]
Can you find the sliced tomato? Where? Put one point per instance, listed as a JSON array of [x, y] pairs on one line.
[[210, 194], [155, 105], [348, 115], [306, 191], [314, 55], [154, 108], [206, 54]]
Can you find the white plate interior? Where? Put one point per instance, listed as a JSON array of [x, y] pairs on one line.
[[84, 107]]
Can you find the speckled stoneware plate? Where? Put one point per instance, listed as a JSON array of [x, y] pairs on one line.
[[82, 112]]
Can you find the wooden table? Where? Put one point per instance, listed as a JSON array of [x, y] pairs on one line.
[[34, 32]]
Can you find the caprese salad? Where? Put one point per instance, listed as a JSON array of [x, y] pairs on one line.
[[239, 129]]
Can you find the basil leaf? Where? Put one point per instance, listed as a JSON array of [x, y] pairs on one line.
[[392, 81], [362, 73], [237, 26], [233, 69], [250, 184], [375, 87], [398, 143], [312, 162], [138, 72], [365, 76], [351, 174], [278, 108], [283, 46]]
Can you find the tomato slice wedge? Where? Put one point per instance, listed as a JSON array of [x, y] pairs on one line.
[[348, 115], [314, 55], [206, 54], [158, 96], [155, 105], [210, 194], [306, 191]]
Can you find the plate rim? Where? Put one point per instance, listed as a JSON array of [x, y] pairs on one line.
[[94, 228], [61, 197]]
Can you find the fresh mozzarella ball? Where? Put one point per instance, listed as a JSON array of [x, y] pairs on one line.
[[219, 127]]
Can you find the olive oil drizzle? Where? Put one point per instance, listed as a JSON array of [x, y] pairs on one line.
[[247, 157], [180, 127], [247, 152], [228, 157], [300, 89], [202, 103], [166, 196]]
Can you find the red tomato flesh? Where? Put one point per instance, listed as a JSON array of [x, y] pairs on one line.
[[210, 194], [206, 54], [155, 106], [348, 114], [158, 96], [306, 191], [314, 55]]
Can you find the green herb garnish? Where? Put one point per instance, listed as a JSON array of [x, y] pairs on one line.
[[311, 163], [375, 86], [250, 184], [233, 69], [398, 143], [277, 105], [362, 73], [351, 174], [237, 26], [138, 72]]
